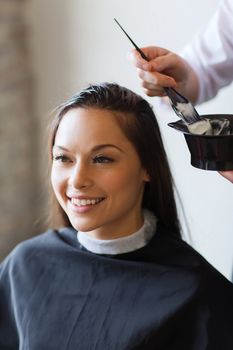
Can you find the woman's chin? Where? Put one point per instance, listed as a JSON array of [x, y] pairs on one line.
[[81, 226]]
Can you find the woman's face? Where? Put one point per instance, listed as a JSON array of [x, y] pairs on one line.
[[97, 175]]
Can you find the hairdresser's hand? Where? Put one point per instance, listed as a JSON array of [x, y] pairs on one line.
[[165, 69], [227, 174]]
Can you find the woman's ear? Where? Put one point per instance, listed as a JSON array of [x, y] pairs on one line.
[[146, 176]]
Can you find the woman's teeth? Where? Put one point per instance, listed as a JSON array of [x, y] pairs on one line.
[[84, 202]]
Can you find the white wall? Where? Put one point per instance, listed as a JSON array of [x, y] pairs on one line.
[[76, 42]]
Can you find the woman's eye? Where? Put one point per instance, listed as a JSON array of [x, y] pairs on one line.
[[61, 158], [102, 159]]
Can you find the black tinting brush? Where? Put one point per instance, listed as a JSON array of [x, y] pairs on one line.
[[181, 105]]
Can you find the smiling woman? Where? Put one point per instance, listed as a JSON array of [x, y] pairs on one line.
[[99, 181], [116, 273]]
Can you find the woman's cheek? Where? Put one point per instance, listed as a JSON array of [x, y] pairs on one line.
[[58, 180]]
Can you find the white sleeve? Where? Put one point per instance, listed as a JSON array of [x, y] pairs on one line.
[[211, 53]]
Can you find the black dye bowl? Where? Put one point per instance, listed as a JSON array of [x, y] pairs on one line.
[[209, 152]]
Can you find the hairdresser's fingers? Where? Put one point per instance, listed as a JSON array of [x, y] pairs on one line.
[[162, 61], [152, 90], [135, 57], [172, 65], [157, 79], [227, 174], [151, 53]]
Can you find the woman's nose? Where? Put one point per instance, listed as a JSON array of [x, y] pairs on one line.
[[80, 177]]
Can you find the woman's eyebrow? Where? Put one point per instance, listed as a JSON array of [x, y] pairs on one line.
[[60, 147], [106, 145], [95, 148]]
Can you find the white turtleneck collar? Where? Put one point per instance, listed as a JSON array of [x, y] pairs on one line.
[[122, 245]]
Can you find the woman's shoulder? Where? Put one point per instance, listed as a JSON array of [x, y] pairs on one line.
[[46, 244], [177, 252], [173, 249]]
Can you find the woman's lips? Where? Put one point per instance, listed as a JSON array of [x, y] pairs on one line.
[[84, 202], [84, 205]]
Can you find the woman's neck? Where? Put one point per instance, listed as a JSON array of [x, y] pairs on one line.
[[124, 244]]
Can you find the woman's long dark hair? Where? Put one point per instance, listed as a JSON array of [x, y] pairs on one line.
[[138, 122]]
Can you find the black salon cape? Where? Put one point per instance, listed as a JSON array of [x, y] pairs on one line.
[[55, 295]]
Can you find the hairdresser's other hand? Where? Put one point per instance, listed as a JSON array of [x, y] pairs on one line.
[[227, 174], [164, 69]]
